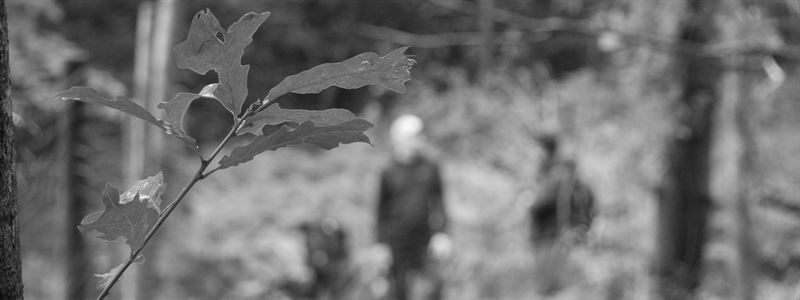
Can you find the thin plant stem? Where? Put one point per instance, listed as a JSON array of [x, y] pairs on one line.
[[212, 171], [199, 175], [252, 110], [216, 151]]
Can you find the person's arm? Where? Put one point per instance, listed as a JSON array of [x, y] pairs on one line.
[[379, 253], [438, 214], [441, 245], [382, 214], [589, 210]]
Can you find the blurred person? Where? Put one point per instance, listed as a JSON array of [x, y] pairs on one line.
[[411, 216], [565, 204], [328, 257], [336, 272], [561, 214]]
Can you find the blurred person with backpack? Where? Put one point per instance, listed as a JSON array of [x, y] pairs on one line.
[[560, 215]]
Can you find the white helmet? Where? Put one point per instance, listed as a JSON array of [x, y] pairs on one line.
[[406, 127]]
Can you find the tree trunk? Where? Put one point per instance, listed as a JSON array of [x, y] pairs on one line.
[[159, 87], [78, 265], [684, 196], [739, 102], [485, 25], [163, 31], [134, 132], [746, 287], [738, 190], [10, 261], [147, 148]]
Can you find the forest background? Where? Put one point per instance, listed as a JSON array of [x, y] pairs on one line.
[[491, 76]]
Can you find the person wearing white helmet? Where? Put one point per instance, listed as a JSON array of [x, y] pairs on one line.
[[411, 216]]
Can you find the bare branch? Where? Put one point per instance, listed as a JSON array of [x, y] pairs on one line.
[[782, 204], [420, 40], [545, 25]]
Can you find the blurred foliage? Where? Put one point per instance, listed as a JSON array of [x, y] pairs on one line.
[[236, 237]]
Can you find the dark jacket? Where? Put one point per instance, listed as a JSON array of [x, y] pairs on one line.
[[410, 208], [562, 189]]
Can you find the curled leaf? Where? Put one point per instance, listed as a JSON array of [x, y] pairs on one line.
[[149, 189], [105, 278], [208, 91], [120, 103], [174, 112]]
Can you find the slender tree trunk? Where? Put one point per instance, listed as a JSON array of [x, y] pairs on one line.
[[740, 181], [739, 100], [135, 138], [134, 129], [75, 142], [146, 145], [485, 25], [744, 238], [78, 268], [684, 196], [159, 77], [10, 261], [160, 81]]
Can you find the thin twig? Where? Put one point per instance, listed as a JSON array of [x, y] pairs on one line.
[[420, 40], [779, 203], [238, 125], [230, 135], [211, 171], [199, 175]]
